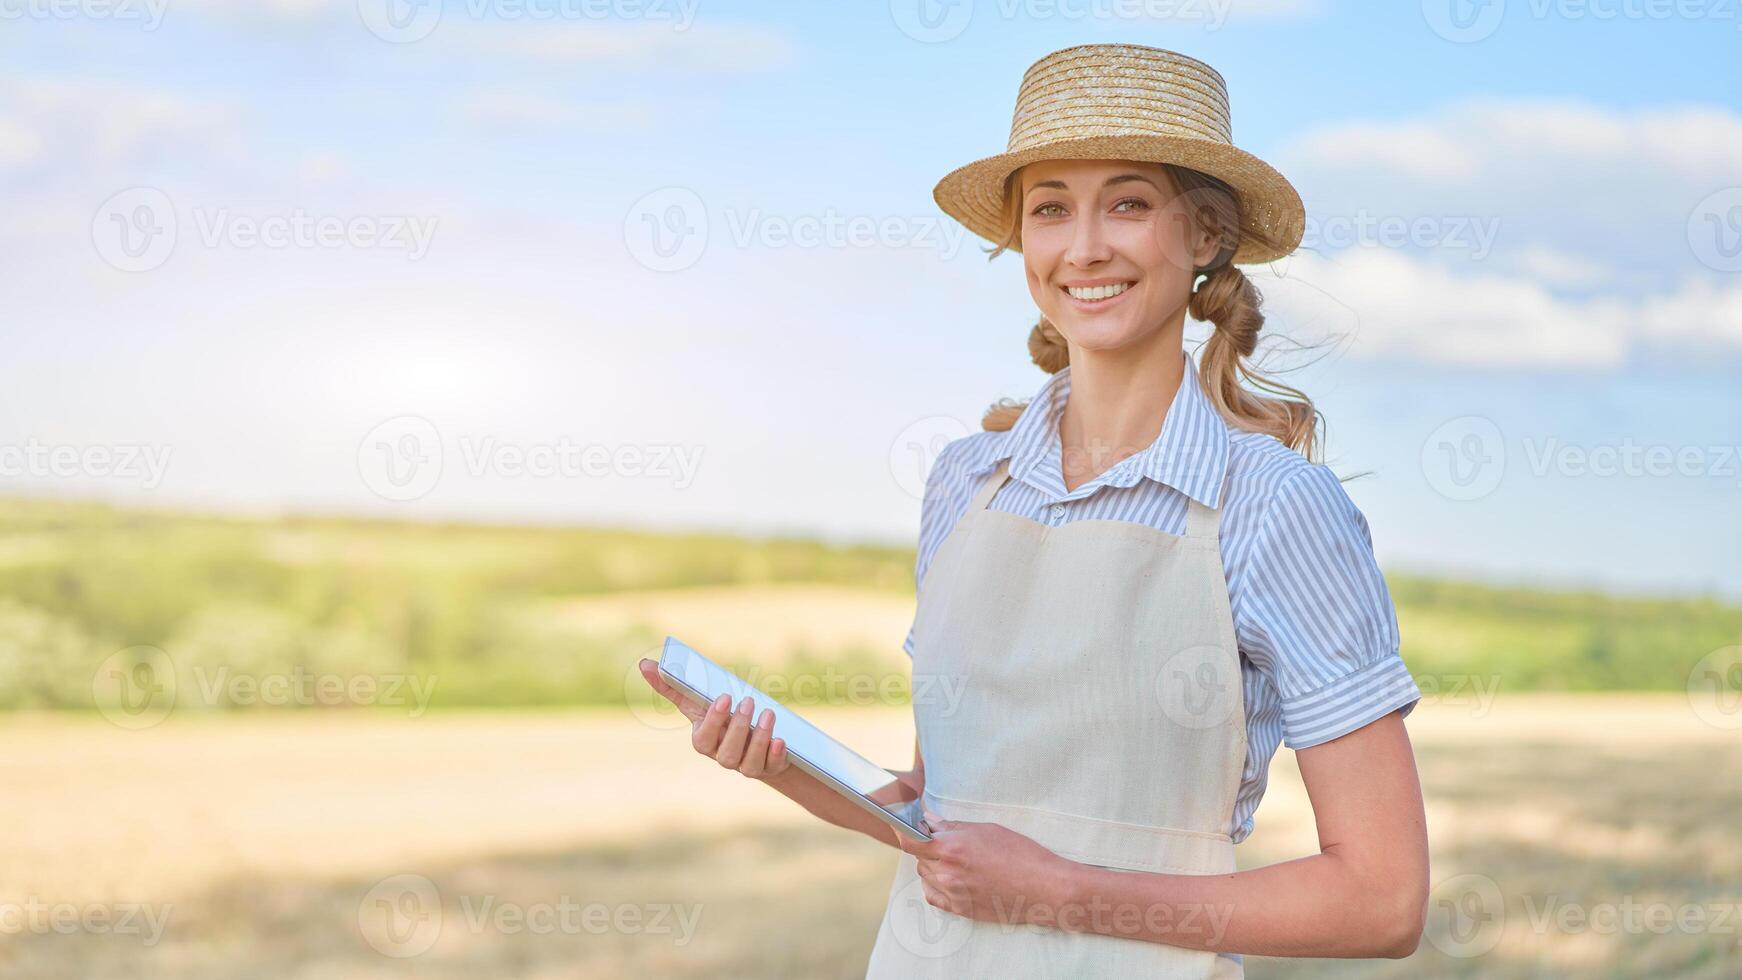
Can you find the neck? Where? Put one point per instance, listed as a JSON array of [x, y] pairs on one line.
[[1118, 403]]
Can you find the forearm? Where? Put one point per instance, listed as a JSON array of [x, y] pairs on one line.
[[1312, 906], [826, 804]]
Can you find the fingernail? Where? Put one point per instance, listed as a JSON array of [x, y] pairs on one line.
[[723, 701], [745, 705], [767, 718]]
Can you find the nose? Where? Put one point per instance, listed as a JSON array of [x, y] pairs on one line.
[[1088, 242]]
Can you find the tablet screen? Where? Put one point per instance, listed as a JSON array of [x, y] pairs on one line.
[[805, 741]]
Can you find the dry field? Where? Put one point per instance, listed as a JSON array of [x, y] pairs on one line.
[[590, 844]]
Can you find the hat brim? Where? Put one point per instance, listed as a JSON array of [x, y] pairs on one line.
[[974, 194]]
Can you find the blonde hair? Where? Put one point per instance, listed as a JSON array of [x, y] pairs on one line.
[[1226, 298]]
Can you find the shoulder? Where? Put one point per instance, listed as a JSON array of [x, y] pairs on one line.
[[1311, 607], [1272, 488], [956, 473], [962, 463]]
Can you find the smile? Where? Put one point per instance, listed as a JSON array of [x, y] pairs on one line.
[[1096, 296]]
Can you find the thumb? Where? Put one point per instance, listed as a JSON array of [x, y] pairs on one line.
[[933, 821]]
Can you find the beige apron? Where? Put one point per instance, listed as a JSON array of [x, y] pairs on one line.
[[1100, 713]]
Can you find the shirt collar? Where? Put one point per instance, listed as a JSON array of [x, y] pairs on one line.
[[1190, 455]]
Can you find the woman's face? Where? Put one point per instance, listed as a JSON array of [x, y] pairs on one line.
[[1108, 248]]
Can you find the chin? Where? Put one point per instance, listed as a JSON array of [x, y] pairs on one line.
[[1097, 334]]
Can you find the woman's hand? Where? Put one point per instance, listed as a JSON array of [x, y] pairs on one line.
[[724, 735], [988, 872]]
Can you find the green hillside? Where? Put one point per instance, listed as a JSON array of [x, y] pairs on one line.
[[473, 606]]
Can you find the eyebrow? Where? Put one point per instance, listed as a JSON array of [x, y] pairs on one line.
[[1120, 179]]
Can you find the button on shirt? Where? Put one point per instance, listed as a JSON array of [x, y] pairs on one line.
[[1313, 618]]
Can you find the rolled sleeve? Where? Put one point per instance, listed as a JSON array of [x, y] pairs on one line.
[[1357, 699], [1318, 618]]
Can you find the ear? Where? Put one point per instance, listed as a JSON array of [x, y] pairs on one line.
[[1208, 243]]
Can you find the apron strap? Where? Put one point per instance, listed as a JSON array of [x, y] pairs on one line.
[[1204, 522], [989, 489], [1201, 521]]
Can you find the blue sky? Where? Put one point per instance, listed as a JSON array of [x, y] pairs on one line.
[[307, 256]]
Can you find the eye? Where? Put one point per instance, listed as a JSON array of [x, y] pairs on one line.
[[1142, 205], [1042, 210]]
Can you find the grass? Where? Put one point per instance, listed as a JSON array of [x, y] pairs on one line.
[[272, 840], [500, 615]]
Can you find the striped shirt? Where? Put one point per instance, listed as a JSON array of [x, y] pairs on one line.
[[1313, 618]]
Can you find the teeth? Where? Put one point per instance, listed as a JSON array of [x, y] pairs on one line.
[[1097, 292]]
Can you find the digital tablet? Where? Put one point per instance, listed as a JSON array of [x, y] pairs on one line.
[[840, 768]]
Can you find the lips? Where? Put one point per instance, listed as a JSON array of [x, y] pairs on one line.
[[1094, 296]]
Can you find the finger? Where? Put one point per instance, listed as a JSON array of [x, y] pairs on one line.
[[755, 763], [731, 750], [933, 897], [933, 821], [690, 708], [778, 761], [705, 735], [941, 899], [924, 850]]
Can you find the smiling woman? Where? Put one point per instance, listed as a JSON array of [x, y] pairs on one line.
[[1149, 569]]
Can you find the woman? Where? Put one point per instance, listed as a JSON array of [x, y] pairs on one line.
[[1142, 582]]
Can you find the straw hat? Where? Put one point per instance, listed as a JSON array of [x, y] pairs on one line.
[[1127, 102]]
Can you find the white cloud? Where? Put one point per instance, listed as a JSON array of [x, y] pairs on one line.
[[1600, 187], [1420, 150], [1385, 303], [1698, 312], [1591, 264], [1532, 142], [1561, 269], [1382, 303], [74, 122]]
